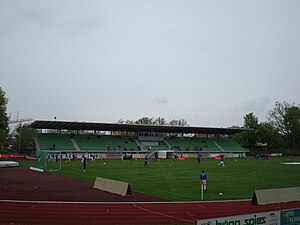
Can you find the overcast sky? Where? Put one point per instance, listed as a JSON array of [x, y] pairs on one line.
[[209, 62]]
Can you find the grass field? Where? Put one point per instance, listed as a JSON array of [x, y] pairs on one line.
[[179, 180]]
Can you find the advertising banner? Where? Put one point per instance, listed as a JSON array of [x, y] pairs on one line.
[[12, 156], [290, 217], [283, 217], [268, 218]]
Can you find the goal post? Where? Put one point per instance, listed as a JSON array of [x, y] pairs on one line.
[[48, 160]]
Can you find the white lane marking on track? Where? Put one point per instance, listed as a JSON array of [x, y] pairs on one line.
[[117, 203], [200, 206], [165, 215], [189, 213]]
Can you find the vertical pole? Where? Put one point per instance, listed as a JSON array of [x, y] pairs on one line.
[[45, 158], [19, 137], [60, 161], [19, 132], [202, 191]]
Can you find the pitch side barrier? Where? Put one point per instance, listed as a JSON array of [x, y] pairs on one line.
[[113, 186], [281, 217], [12, 156], [271, 196], [8, 164]]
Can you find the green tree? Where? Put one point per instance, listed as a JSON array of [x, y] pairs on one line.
[[179, 123], [129, 122], [173, 123], [160, 121], [248, 138], [183, 123], [23, 138], [250, 121], [268, 135], [286, 118], [145, 121], [4, 128]]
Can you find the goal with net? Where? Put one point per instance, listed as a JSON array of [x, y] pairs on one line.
[[48, 160]]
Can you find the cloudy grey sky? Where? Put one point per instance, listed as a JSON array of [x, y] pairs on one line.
[[209, 62]]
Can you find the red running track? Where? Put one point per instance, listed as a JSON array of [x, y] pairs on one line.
[[30, 200], [141, 213]]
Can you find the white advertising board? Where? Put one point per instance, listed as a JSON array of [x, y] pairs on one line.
[[268, 218]]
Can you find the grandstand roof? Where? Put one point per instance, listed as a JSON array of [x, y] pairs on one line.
[[65, 125]]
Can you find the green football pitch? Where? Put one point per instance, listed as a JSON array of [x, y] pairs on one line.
[[179, 180]]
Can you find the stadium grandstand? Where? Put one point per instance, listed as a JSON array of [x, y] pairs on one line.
[[112, 140]]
